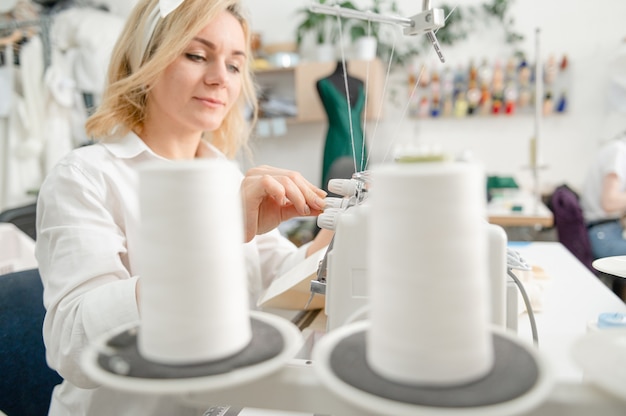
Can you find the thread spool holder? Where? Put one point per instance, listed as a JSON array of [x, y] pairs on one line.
[[296, 387]]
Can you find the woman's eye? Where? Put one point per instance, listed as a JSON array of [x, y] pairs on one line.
[[233, 68], [194, 57]]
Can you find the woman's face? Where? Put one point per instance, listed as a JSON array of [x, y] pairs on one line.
[[196, 91]]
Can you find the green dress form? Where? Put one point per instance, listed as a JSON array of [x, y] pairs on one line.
[[338, 140]]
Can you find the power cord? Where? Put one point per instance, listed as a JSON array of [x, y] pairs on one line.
[[529, 309]]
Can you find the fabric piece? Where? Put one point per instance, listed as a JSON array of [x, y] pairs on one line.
[[73, 29], [570, 224], [25, 128], [6, 81]]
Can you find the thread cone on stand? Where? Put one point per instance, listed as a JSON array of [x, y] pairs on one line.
[[428, 274], [194, 299]]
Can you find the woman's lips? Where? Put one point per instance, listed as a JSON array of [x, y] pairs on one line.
[[210, 102]]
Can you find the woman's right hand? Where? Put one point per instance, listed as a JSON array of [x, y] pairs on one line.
[[273, 195]]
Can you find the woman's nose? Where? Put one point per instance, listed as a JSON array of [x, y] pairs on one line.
[[216, 74]]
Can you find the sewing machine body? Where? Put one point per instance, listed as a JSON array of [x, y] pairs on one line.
[[346, 283]]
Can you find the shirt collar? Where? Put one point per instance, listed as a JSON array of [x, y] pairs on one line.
[[128, 146], [131, 146], [207, 151]]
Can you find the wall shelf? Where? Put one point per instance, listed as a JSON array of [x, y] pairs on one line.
[[298, 85]]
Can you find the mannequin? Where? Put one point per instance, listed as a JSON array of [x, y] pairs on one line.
[[338, 151]]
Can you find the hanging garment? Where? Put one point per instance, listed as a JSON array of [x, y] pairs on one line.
[[6, 81], [340, 138], [6, 102], [24, 142], [60, 98], [73, 30], [81, 57]]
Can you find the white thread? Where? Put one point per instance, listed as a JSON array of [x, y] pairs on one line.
[[429, 296], [193, 299], [384, 94], [345, 82], [406, 108], [367, 82]]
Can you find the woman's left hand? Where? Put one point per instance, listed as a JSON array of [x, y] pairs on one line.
[[272, 195]]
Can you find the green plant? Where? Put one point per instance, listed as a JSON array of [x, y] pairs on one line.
[[499, 9], [360, 28], [390, 42], [322, 27], [461, 21]]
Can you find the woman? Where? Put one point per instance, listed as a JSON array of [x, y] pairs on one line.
[[178, 80], [604, 199]]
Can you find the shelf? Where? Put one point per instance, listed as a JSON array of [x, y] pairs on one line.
[[299, 84], [274, 70]]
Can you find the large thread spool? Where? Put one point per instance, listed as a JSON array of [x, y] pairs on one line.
[[193, 300], [428, 274]]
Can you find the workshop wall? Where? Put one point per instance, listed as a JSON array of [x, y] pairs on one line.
[[590, 34]]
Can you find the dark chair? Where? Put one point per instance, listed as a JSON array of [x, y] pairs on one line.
[[26, 381], [23, 218], [570, 224]]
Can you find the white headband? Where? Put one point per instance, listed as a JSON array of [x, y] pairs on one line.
[[163, 8], [168, 6]]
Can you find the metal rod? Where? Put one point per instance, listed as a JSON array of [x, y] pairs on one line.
[[433, 40], [536, 151], [370, 16], [17, 24]]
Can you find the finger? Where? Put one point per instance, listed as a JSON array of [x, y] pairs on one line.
[[294, 194], [258, 191], [251, 196], [272, 187], [289, 189], [290, 198], [302, 182], [307, 197], [312, 195]]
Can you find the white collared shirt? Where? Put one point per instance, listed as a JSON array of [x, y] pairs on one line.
[[87, 225], [611, 158]]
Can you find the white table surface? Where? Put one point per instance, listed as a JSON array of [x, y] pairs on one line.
[[530, 210], [573, 298]]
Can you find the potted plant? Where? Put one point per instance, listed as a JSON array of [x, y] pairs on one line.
[[364, 34], [322, 29], [389, 42], [364, 38]]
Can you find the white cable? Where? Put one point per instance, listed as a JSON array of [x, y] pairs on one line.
[[529, 309]]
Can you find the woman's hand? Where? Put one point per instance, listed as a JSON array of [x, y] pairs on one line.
[[272, 195]]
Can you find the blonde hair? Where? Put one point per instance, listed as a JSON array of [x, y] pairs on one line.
[[123, 106]]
